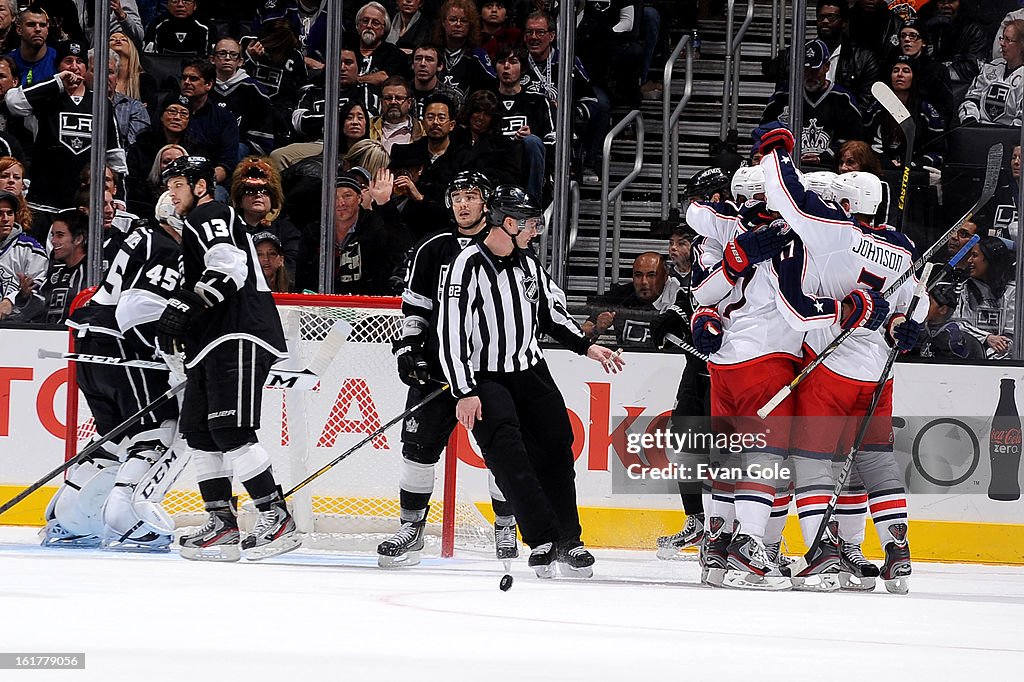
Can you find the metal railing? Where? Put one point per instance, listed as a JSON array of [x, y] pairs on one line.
[[670, 124], [615, 194], [557, 261], [731, 75], [778, 26]]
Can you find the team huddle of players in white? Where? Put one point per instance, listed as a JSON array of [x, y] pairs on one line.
[[779, 273]]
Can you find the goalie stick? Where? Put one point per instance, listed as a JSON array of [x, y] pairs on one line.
[[299, 379], [995, 159], [892, 104], [95, 445]]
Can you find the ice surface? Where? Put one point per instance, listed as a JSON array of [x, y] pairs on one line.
[[306, 616]]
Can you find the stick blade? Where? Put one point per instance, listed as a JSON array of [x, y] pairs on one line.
[[888, 99], [994, 164], [330, 346]]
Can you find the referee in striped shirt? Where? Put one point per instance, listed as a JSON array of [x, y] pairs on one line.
[[496, 301]]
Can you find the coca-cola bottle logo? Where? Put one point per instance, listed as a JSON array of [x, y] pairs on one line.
[[1008, 437]]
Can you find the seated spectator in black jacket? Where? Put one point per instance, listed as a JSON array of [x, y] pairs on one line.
[[958, 42], [377, 59], [467, 65], [241, 95], [274, 61], [931, 76], [628, 309], [831, 116], [409, 205], [443, 159], [180, 34], [526, 118], [257, 197], [886, 137], [479, 132], [410, 28], [210, 127], [366, 250], [170, 128]]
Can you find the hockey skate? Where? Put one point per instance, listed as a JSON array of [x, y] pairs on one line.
[[542, 560], [751, 568], [855, 572], [55, 535], [714, 552], [148, 541], [670, 546], [575, 560], [274, 534], [404, 547], [821, 573], [505, 546], [896, 569], [776, 556], [218, 540]]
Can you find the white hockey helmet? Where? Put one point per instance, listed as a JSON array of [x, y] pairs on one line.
[[165, 212], [747, 182], [820, 182], [861, 189]]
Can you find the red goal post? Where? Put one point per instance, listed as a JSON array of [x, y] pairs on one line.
[[355, 504]]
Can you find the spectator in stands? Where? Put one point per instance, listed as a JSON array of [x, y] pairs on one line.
[[132, 81], [11, 125], [467, 67], [124, 19], [180, 34], [872, 25], [1007, 201], [307, 21], [408, 205], [943, 337], [378, 60], [850, 65], [996, 95], [131, 114], [62, 107], [609, 43], [409, 28], [496, 27], [591, 105], [443, 160], [257, 196], [931, 76], [369, 155], [355, 125], [426, 70], [680, 261], [241, 95], [64, 24], [274, 60], [996, 43], [211, 128], [958, 43], [884, 134], [36, 60], [478, 135], [9, 39], [65, 274], [857, 155], [628, 309], [396, 125], [955, 242], [145, 187], [268, 250], [525, 117], [22, 259], [831, 116], [12, 179], [985, 308], [366, 250], [170, 128]]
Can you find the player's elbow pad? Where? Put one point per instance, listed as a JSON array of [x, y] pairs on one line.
[[215, 287]]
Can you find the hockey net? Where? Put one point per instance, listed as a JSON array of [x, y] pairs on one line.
[[354, 505]]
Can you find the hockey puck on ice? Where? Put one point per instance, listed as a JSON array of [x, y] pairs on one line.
[[506, 583]]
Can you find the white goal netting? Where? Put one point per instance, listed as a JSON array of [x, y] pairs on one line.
[[354, 505]]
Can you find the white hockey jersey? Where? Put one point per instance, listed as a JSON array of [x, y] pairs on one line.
[[995, 96], [840, 255]]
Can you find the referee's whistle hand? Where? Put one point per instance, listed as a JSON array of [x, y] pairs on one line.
[[468, 411], [611, 360]]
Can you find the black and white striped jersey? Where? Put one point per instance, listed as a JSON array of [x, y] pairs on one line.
[[493, 310]]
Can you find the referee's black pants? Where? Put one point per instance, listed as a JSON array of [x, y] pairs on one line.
[[526, 439]]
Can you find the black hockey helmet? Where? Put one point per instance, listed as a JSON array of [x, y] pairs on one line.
[[512, 201], [707, 182], [465, 180], [193, 169]]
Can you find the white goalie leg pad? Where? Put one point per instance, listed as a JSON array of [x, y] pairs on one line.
[[248, 461], [415, 477], [210, 465], [133, 513], [78, 505]]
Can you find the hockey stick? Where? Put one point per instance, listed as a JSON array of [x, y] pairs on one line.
[[322, 470], [675, 340], [96, 445], [892, 104], [303, 379], [858, 442], [995, 159]]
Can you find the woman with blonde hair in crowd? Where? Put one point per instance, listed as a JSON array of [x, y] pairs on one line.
[[269, 252], [132, 81], [257, 196], [12, 179], [370, 154]]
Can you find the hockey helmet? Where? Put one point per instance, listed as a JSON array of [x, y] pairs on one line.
[[820, 182], [707, 182], [165, 212], [193, 169], [466, 180], [512, 201], [861, 189], [747, 182]]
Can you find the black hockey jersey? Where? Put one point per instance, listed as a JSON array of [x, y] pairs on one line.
[[51, 303], [465, 71], [180, 37], [308, 117], [526, 108], [219, 263]]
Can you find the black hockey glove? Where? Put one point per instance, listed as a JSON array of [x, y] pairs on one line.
[[672, 320], [181, 310], [903, 333], [412, 366]]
